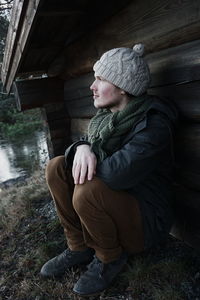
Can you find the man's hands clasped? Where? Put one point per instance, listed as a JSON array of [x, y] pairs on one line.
[[84, 164]]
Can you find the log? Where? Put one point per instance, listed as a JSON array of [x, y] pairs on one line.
[[60, 145], [78, 97], [78, 128], [19, 40], [175, 65], [158, 24], [13, 34], [59, 133], [59, 124], [38, 92], [81, 108], [79, 102], [186, 97]]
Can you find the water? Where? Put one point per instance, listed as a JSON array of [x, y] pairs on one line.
[[22, 155]]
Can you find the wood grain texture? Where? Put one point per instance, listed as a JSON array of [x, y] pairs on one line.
[[186, 96], [158, 24], [38, 92], [23, 28], [179, 64], [78, 128]]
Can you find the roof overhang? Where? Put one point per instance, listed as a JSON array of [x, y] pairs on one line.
[[40, 29]]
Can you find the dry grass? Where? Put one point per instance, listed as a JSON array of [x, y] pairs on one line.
[[168, 273], [16, 202]]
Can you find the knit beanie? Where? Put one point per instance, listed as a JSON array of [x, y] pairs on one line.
[[125, 68]]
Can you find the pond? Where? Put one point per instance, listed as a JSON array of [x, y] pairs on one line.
[[22, 155]]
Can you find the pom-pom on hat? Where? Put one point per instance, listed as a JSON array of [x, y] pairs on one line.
[[125, 68]]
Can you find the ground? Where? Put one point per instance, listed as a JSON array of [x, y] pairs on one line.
[[169, 272]]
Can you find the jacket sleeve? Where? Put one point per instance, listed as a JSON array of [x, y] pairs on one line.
[[139, 157], [70, 151]]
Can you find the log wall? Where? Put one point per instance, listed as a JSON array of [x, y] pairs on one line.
[[159, 24], [58, 127], [175, 75], [170, 31]]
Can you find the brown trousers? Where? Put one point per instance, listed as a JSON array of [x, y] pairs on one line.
[[93, 215]]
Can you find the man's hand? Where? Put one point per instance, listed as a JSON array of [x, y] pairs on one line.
[[84, 164]]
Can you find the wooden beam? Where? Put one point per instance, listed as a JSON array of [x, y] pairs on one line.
[[38, 92], [175, 75], [78, 128], [186, 96], [17, 15], [158, 24], [175, 65], [19, 40], [79, 102], [78, 97]]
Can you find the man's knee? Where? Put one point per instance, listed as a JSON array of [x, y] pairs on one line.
[[86, 194], [54, 168]]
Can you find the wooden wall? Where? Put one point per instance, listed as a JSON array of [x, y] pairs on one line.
[[170, 30], [159, 24], [175, 75]]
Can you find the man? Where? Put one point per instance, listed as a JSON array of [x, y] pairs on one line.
[[113, 189]]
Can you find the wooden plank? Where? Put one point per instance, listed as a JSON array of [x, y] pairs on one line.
[[175, 65], [158, 24], [79, 101], [59, 133], [78, 87], [24, 30], [59, 124], [78, 97], [37, 92], [78, 128], [17, 15], [60, 145], [55, 107], [81, 108], [186, 97], [56, 115]]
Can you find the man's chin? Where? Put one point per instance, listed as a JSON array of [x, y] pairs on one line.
[[97, 105]]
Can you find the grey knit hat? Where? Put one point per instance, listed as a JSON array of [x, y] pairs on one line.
[[125, 68]]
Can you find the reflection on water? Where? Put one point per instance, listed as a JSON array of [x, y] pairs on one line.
[[22, 156]]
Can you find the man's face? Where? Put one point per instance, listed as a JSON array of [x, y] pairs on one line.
[[105, 94]]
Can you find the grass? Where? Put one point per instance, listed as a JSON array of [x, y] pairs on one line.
[[29, 237], [14, 123], [16, 202]]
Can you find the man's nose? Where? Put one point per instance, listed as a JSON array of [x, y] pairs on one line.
[[93, 87]]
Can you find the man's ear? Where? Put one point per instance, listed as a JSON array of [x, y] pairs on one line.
[[122, 92]]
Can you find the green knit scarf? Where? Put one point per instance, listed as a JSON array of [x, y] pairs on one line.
[[106, 129]]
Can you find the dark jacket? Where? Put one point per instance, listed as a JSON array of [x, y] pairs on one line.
[[144, 167]]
